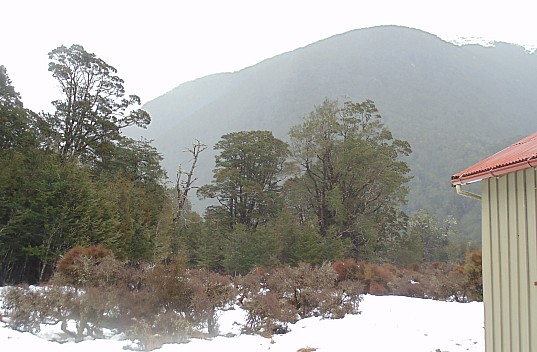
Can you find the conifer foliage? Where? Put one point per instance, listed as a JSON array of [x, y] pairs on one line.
[[71, 178]]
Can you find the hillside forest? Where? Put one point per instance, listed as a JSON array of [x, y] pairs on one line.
[[300, 228], [72, 178]]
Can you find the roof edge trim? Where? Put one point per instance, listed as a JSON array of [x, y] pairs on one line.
[[494, 172]]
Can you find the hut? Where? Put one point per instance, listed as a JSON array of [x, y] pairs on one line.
[[509, 243]]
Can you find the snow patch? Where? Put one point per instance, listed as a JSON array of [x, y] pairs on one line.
[[386, 323]]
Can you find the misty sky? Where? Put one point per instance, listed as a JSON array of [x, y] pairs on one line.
[[157, 45]]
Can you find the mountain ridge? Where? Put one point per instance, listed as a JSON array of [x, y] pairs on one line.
[[454, 104]]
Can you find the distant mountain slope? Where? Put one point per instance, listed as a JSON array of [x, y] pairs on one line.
[[454, 104]]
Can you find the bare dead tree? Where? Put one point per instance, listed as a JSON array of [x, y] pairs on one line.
[[182, 187]]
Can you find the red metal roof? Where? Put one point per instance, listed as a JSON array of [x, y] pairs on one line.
[[519, 156]]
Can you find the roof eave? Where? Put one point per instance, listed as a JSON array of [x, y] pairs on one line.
[[494, 172]]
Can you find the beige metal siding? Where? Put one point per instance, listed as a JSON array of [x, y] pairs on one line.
[[509, 218], [532, 255]]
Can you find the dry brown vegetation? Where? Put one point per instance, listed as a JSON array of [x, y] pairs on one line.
[[273, 298], [460, 282], [169, 302]]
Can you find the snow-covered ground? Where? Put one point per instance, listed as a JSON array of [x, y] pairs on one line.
[[386, 323]]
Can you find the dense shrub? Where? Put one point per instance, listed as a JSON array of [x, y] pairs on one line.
[[167, 327], [441, 281], [83, 289], [375, 277], [211, 292], [29, 307], [267, 314], [168, 302], [87, 266], [151, 304], [173, 303], [346, 269], [474, 275], [285, 294]]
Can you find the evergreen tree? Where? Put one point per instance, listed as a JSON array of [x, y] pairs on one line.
[[15, 127], [94, 108], [72, 179], [353, 176], [247, 177], [433, 235], [49, 206]]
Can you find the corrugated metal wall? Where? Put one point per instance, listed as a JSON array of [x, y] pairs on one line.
[[509, 219]]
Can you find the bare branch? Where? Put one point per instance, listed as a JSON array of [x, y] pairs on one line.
[[184, 186]]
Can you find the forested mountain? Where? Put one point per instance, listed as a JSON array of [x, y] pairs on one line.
[[454, 104]]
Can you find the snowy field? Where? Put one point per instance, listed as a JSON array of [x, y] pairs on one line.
[[386, 323]]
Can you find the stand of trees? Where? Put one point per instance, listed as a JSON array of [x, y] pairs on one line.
[[71, 178]]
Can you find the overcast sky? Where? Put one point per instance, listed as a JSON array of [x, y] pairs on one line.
[[158, 44]]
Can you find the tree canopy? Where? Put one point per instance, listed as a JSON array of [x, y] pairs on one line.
[[71, 178], [353, 176], [94, 108], [14, 118], [247, 177]]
